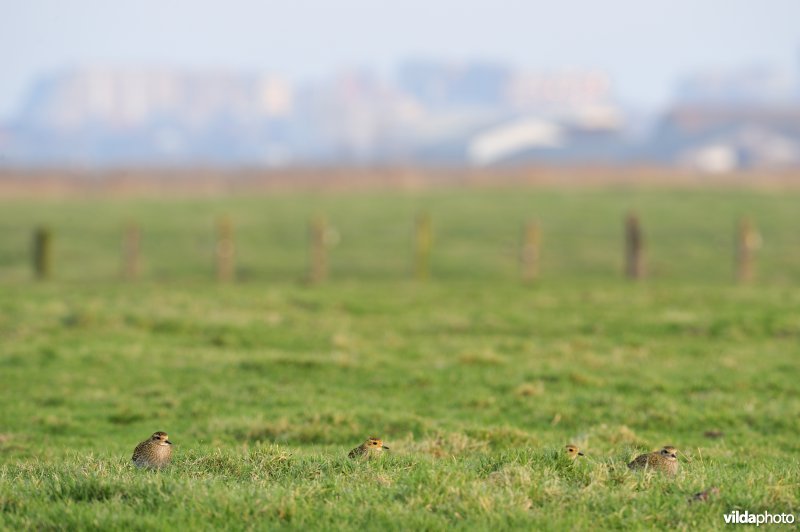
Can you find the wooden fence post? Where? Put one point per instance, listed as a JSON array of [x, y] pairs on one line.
[[42, 253], [318, 252], [746, 244], [423, 245], [226, 268], [529, 254], [131, 244], [634, 247]]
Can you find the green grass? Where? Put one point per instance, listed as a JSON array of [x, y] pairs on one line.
[[473, 380]]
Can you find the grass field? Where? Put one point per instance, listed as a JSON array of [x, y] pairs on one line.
[[472, 379]]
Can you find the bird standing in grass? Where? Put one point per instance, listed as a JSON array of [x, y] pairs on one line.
[[572, 451], [665, 460], [371, 448], [704, 495], [153, 452]]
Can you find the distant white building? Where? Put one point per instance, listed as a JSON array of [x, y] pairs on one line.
[[725, 138], [503, 141]]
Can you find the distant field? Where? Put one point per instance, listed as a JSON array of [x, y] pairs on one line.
[[472, 379]]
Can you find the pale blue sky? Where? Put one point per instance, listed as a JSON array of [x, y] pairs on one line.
[[643, 44]]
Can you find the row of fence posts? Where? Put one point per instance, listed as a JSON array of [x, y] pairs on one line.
[[747, 240]]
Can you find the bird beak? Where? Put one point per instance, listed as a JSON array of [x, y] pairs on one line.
[[674, 455], [168, 442], [580, 454], [385, 447]]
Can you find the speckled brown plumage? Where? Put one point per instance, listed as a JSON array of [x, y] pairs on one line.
[[665, 461], [371, 448], [155, 452]]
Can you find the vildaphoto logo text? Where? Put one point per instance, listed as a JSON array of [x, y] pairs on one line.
[[746, 518]]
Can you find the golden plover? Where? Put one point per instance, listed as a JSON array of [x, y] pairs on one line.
[[572, 451], [705, 495], [154, 452], [371, 448], [665, 460]]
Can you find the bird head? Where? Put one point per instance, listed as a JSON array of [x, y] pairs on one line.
[[669, 452], [374, 443], [572, 451], [160, 438]]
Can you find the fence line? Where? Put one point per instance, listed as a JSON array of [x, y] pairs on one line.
[[423, 247], [634, 247], [529, 254], [746, 241], [131, 252], [318, 250], [42, 253], [226, 251]]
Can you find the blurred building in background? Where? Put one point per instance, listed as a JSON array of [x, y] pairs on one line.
[[728, 120], [105, 115], [428, 112]]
